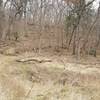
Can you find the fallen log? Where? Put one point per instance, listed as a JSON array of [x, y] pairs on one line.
[[38, 60]]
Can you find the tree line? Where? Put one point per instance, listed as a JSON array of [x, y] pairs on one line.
[[70, 24]]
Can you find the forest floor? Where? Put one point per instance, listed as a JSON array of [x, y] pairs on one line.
[[49, 77]]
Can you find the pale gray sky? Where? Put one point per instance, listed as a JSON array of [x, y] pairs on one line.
[[96, 4]]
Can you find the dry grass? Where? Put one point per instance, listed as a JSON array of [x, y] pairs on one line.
[[54, 80]]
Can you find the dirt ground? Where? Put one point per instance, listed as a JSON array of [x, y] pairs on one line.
[[63, 78]]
